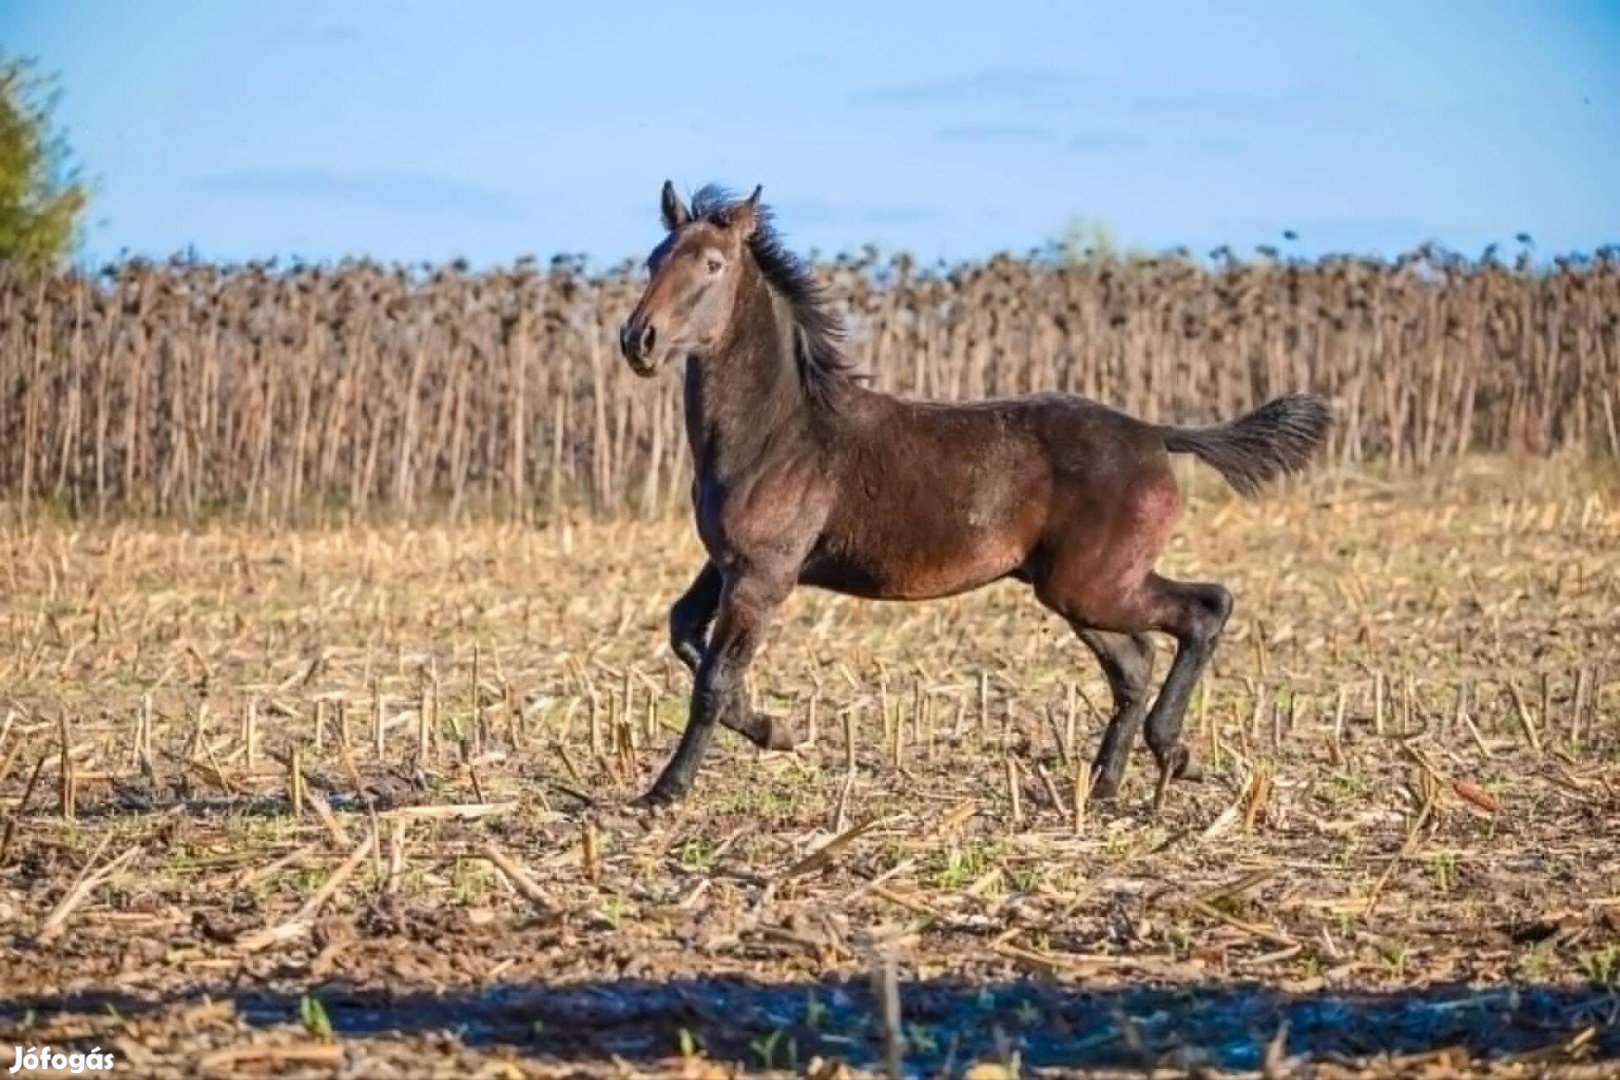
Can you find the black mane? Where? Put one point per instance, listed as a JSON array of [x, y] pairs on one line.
[[823, 366]]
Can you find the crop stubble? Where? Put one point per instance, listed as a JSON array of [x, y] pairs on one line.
[[1411, 723]]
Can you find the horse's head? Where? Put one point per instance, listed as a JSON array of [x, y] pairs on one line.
[[697, 274]]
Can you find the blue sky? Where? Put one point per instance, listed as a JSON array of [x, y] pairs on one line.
[[489, 130]]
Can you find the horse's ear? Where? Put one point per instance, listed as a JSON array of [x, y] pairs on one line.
[[744, 217], [674, 211]]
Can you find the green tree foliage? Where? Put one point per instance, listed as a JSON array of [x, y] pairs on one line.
[[1086, 240], [42, 198]]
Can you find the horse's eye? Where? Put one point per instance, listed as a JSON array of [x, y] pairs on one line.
[[714, 265]]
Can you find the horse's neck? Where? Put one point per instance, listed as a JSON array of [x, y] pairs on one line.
[[743, 399]]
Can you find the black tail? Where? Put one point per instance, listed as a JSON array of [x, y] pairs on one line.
[[1278, 437]]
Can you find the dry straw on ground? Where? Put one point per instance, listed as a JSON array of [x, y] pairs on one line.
[[1403, 863]]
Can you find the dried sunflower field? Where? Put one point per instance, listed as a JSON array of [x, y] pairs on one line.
[[180, 389]]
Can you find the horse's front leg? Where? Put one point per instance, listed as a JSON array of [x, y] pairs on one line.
[[691, 615], [689, 620], [748, 605]]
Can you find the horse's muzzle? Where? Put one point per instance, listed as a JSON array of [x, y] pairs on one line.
[[636, 342]]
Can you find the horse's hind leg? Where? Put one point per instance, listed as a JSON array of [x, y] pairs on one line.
[[1195, 614], [1104, 582], [1127, 663]]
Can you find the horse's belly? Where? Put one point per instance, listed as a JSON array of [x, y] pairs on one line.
[[919, 571]]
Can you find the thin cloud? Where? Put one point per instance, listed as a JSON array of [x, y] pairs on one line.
[[1027, 87], [993, 133], [410, 191], [1107, 142], [1214, 146], [1217, 103]]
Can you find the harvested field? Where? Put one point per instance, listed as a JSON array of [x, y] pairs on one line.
[[352, 802]]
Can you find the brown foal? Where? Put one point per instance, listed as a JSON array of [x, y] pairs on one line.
[[804, 476]]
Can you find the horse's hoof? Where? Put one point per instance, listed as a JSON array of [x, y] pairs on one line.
[[778, 735], [1104, 788], [1176, 764], [1187, 768], [655, 799], [769, 732]]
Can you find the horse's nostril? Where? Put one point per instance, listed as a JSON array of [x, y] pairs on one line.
[[648, 335]]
